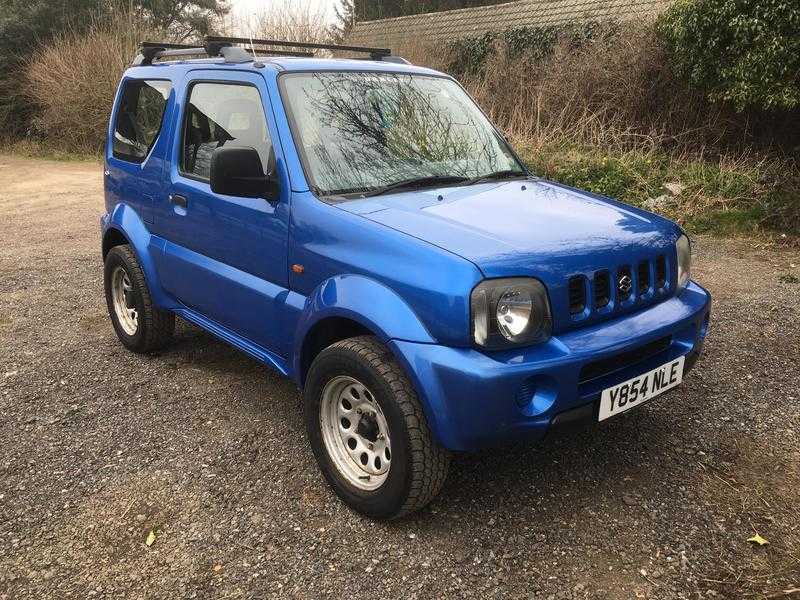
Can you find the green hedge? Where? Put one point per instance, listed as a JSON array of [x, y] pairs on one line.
[[745, 52], [536, 43]]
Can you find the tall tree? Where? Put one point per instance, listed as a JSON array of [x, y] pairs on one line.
[[24, 24], [184, 18], [345, 19]]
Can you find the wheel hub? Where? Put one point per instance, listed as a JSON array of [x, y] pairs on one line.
[[368, 427], [355, 432], [123, 299]]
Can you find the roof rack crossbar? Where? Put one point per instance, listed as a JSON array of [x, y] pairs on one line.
[[276, 52], [375, 53], [167, 45], [214, 46], [151, 51]]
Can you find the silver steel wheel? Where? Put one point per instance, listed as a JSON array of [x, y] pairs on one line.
[[355, 433], [122, 298]]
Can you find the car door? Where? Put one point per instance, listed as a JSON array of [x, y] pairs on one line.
[[225, 257], [136, 146]]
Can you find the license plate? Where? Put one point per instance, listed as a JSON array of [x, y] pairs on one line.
[[636, 391]]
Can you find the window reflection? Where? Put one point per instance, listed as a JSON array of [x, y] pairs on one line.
[[221, 114], [361, 131], [139, 118]]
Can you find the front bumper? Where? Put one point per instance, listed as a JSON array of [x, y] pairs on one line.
[[473, 400]]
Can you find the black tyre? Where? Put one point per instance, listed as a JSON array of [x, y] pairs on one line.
[[140, 326], [368, 432]]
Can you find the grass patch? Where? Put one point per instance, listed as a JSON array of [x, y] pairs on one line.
[[723, 197], [46, 151]]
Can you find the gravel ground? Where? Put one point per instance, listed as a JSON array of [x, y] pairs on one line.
[[206, 448]]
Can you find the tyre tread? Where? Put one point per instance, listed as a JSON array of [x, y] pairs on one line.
[[429, 461], [158, 325]]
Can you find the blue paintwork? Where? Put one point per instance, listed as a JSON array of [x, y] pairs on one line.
[[400, 265], [472, 396]]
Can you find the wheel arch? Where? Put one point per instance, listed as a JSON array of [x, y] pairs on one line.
[[125, 226], [324, 333], [347, 306], [111, 238]]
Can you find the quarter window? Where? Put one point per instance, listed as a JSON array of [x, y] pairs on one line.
[[139, 118], [220, 114]]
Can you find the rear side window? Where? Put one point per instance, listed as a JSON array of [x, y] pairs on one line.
[[220, 114], [139, 118]]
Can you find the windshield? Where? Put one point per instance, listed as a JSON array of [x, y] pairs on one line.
[[361, 132]]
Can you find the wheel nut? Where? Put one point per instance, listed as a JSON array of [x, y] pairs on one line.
[[371, 447], [358, 411]]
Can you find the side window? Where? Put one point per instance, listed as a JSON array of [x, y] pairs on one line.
[[139, 118], [219, 114]]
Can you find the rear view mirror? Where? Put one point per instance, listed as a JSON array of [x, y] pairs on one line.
[[238, 171]]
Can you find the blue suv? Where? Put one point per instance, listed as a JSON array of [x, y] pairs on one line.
[[360, 226]]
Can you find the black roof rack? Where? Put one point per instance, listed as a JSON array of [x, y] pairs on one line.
[[274, 52], [150, 51], [374, 53], [225, 47]]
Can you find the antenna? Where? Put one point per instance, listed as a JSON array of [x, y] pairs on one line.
[[252, 45]]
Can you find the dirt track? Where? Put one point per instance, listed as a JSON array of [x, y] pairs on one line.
[[98, 447]]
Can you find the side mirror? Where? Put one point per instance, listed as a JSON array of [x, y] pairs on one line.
[[237, 171]]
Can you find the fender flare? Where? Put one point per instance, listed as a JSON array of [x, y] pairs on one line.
[[125, 221], [365, 301]]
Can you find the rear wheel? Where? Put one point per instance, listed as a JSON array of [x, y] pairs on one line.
[[140, 326], [368, 432]]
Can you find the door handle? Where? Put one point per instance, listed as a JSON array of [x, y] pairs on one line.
[[179, 200]]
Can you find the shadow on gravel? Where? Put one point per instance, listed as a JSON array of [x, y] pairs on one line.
[[195, 348], [570, 469], [617, 466]]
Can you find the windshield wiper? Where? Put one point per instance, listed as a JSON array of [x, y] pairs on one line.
[[496, 176], [417, 183]]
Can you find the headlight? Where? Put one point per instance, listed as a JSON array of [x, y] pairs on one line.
[[684, 251], [510, 312]]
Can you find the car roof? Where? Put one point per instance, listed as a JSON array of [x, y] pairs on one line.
[[291, 64], [284, 64]]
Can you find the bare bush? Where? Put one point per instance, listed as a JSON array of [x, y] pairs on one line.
[[426, 54], [285, 20], [618, 93], [72, 81]]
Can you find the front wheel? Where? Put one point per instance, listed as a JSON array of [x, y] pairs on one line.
[[368, 432]]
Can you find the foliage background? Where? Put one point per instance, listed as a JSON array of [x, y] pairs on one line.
[[26, 25], [744, 52]]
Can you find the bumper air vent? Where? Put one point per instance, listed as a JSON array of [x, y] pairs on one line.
[[607, 366]]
